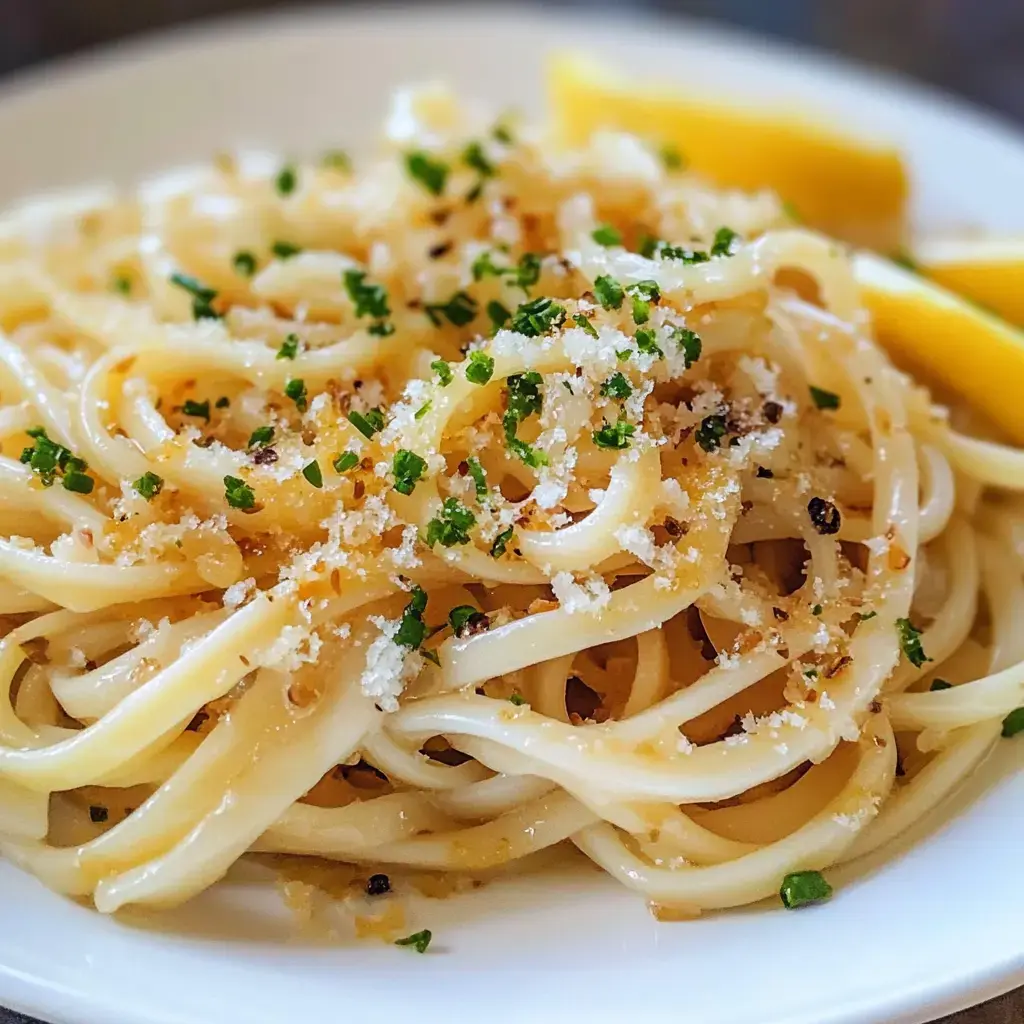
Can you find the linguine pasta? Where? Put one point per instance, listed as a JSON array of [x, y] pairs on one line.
[[487, 499]]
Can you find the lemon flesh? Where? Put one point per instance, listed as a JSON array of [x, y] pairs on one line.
[[948, 339], [989, 271], [849, 187]]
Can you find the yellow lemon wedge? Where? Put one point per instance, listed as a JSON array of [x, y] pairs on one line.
[[948, 339], [851, 187], [989, 271]]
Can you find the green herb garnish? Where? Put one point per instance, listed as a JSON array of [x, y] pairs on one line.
[[537, 317], [345, 461], [607, 235], [202, 297], [725, 238], [408, 469], [463, 615], [646, 342], [423, 410], [498, 314], [614, 435], [690, 344], [524, 398], [122, 284], [286, 180], [824, 399], [671, 157], [149, 485], [295, 389], [368, 424], [46, 458], [516, 698], [683, 255], [261, 437], [483, 266], [412, 630], [244, 263], [526, 453], [285, 250], [443, 371], [616, 386], [710, 432], [643, 294], [1013, 723], [336, 160], [581, 321], [801, 888], [418, 940], [459, 310], [368, 299], [451, 525], [430, 173], [313, 474], [238, 493], [200, 410], [77, 481], [474, 157], [476, 471], [479, 368], [910, 642], [608, 292], [289, 347], [528, 270], [500, 544]]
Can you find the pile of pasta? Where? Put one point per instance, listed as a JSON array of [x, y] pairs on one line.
[[481, 500]]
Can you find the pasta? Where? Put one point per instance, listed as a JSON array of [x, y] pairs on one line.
[[488, 499]]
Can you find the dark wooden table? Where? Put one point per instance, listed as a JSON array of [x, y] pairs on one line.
[[971, 47]]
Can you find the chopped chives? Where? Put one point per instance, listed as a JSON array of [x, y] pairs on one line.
[[418, 940], [244, 263], [285, 250], [260, 437], [238, 493], [431, 174], [801, 888], [286, 180], [369, 424], [1013, 723], [289, 347], [295, 389], [480, 367], [607, 235], [408, 468], [149, 485], [345, 461], [824, 399], [313, 474], [443, 371]]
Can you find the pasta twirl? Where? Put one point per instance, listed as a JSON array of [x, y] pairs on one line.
[[561, 496]]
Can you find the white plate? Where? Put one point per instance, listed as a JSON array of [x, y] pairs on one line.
[[906, 939]]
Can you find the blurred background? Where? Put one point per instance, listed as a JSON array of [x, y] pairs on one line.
[[972, 47]]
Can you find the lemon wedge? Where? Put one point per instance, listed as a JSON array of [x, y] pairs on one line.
[[948, 339], [850, 187], [990, 271]]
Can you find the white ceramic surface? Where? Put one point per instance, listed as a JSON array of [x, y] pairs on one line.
[[907, 938]]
